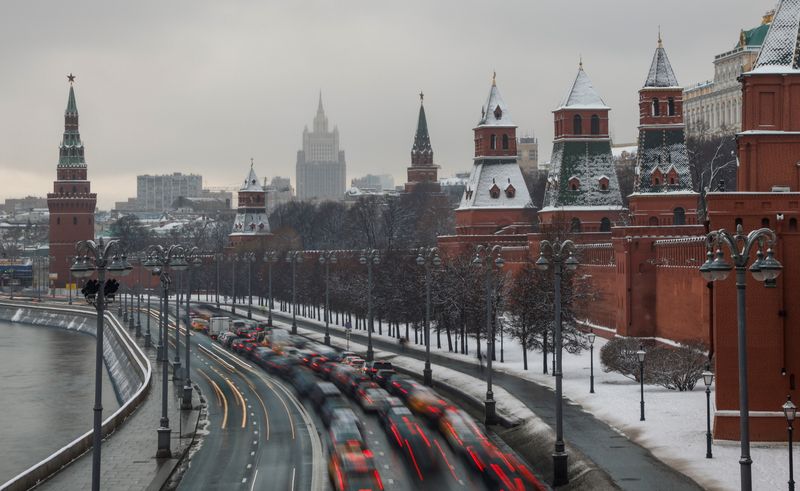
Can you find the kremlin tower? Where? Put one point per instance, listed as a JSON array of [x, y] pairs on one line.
[[71, 203], [251, 221], [422, 175]]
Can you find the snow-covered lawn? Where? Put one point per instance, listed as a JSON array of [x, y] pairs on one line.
[[675, 424]]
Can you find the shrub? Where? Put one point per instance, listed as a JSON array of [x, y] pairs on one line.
[[674, 368]]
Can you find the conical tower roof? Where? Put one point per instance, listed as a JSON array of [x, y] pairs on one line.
[[661, 73], [251, 183], [781, 48], [72, 106], [421, 152], [495, 112], [581, 94], [71, 148]]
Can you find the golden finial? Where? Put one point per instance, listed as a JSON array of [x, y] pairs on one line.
[[251, 162], [660, 43], [71, 78], [580, 61], [494, 78]]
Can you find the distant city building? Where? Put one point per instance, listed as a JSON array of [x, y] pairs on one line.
[[321, 169], [279, 191], [382, 182], [715, 107], [159, 192], [528, 154], [71, 204], [28, 203]]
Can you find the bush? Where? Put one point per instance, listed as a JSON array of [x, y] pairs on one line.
[[674, 368]]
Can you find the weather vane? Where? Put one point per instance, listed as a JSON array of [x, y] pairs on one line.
[[421, 96]]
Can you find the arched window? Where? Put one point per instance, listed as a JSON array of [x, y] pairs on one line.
[[605, 225], [737, 222], [577, 125], [671, 106], [74, 220], [765, 222], [505, 142], [575, 226], [493, 142], [595, 125], [58, 221], [653, 221], [793, 225], [679, 216], [656, 109]]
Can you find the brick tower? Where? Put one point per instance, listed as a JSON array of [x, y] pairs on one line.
[[251, 221], [582, 188], [71, 203], [496, 199], [422, 175], [663, 193]]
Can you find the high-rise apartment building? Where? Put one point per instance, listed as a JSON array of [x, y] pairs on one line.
[[528, 154], [321, 169], [159, 192]]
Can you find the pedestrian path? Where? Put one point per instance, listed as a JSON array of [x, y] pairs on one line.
[[128, 454]]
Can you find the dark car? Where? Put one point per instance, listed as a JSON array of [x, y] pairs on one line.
[[402, 387], [354, 380], [327, 369], [382, 377], [500, 470], [345, 431], [334, 407], [280, 365], [322, 391], [237, 344], [372, 367], [302, 379], [410, 437], [341, 355], [340, 375], [317, 362], [260, 356], [228, 341]]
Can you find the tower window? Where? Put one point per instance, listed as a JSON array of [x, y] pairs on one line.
[[74, 220], [656, 111], [653, 221], [679, 216], [595, 124], [58, 220], [577, 125], [493, 142], [494, 192], [574, 184], [671, 106], [505, 142], [793, 225], [575, 226], [605, 225], [765, 222]]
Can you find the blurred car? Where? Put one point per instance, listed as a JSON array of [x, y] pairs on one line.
[[322, 391], [417, 447], [402, 387], [460, 430], [500, 470], [236, 344], [340, 375], [317, 362], [372, 367], [357, 363], [335, 407], [261, 354], [426, 402], [387, 404], [354, 379], [382, 377], [248, 345], [280, 365], [298, 341], [348, 360], [370, 398], [327, 369], [340, 356], [346, 432], [302, 379], [353, 470]]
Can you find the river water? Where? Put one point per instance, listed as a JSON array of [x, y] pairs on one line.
[[46, 392]]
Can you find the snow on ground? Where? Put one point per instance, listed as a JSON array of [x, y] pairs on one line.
[[675, 424]]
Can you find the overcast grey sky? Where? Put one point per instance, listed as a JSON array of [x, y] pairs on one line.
[[203, 85]]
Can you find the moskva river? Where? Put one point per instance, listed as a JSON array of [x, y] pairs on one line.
[[46, 393]]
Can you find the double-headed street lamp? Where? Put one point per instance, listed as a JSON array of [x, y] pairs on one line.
[[561, 256], [192, 258], [233, 259], [294, 257], [270, 257], [160, 261], [708, 379], [327, 258], [217, 261], [764, 269], [790, 411], [591, 337], [368, 258], [640, 356], [425, 257], [489, 258], [101, 257], [249, 258]]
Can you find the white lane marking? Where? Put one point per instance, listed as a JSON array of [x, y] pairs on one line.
[[381, 454], [249, 466], [255, 442], [252, 453], [252, 484], [232, 358], [385, 466], [291, 487], [255, 433], [244, 480]]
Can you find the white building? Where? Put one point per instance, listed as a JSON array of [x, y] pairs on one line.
[[321, 169]]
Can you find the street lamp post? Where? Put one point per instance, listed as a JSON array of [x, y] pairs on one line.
[[160, 262], [640, 356], [270, 257], [764, 269], [425, 257], [139, 299], [70, 259], [327, 258], [233, 259], [97, 256], [250, 258], [217, 260], [591, 337], [708, 379], [147, 335], [562, 256], [369, 257], [176, 361], [790, 411], [489, 259], [193, 261], [294, 257]]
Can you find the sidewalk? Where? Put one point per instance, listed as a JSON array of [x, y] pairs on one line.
[[128, 457]]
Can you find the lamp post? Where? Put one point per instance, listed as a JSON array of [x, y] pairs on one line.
[[591, 336], [708, 379], [249, 258], [294, 257], [425, 257], [764, 269], [790, 411], [147, 336], [327, 258], [160, 262], [70, 260], [139, 299], [270, 257], [640, 356], [193, 262], [179, 265], [369, 257], [489, 259], [217, 260], [562, 256], [233, 259], [101, 257]]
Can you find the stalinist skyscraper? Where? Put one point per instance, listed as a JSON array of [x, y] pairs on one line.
[[321, 169]]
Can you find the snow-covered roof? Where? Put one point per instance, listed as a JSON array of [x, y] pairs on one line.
[[486, 174], [251, 183], [587, 161], [582, 95], [251, 224], [661, 74], [495, 112], [779, 53]]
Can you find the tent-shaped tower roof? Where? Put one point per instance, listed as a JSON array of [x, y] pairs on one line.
[[781, 48], [661, 73], [581, 94]]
